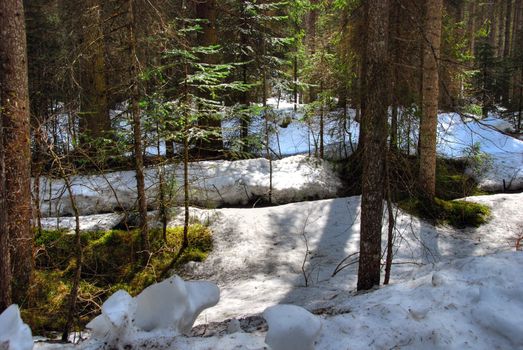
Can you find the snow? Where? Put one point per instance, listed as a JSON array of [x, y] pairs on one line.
[[456, 136], [291, 328], [258, 254], [169, 307], [14, 333], [97, 222], [174, 304], [213, 183], [451, 289]]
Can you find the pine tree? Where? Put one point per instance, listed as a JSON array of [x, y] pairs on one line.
[[374, 124], [14, 104], [429, 119]]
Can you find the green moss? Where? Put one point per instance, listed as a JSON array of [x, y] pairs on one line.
[[111, 262], [459, 214]]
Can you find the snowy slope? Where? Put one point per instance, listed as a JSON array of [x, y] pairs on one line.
[[451, 289], [258, 253], [456, 137]]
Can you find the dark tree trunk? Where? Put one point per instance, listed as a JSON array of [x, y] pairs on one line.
[[374, 125], [14, 100], [94, 116], [5, 256]]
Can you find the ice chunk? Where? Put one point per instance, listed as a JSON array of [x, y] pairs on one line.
[[115, 324], [171, 305], [174, 304], [291, 328], [14, 333], [202, 295]]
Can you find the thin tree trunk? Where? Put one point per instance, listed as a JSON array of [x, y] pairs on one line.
[[267, 131], [137, 130], [472, 27], [73, 296], [14, 99], [312, 19], [508, 29], [295, 80], [374, 124], [392, 223], [322, 122], [429, 119], [206, 9], [395, 79]]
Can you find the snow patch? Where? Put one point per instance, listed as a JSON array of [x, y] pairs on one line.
[[291, 328], [169, 307], [14, 333], [212, 183]]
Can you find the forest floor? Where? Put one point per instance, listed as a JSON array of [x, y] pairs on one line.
[[450, 288]]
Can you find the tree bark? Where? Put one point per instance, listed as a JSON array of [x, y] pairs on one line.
[[374, 124], [14, 100], [472, 26], [94, 116], [5, 255], [429, 119]]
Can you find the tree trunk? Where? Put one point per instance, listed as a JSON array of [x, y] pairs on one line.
[[312, 18], [137, 129], [206, 10], [14, 100], [472, 26], [94, 116], [395, 56], [5, 256], [508, 29], [374, 124], [429, 119]]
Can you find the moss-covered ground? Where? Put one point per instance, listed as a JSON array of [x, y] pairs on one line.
[[111, 261]]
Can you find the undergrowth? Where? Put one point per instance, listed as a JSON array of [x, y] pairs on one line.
[[459, 214], [111, 262], [452, 182]]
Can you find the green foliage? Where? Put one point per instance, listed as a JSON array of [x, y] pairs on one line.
[[478, 162], [452, 182], [111, 262], [473, 109], [459, 214]]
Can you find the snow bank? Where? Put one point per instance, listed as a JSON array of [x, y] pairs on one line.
[[213, 183], [457, 136], [97, 222], [169, 307], [476, 303], [14, 333], [291, 328], [470, 303]]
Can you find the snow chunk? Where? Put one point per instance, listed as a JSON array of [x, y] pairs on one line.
[[291, 328], [174, 304], [115, 324], [171, 305], [14, 333]]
